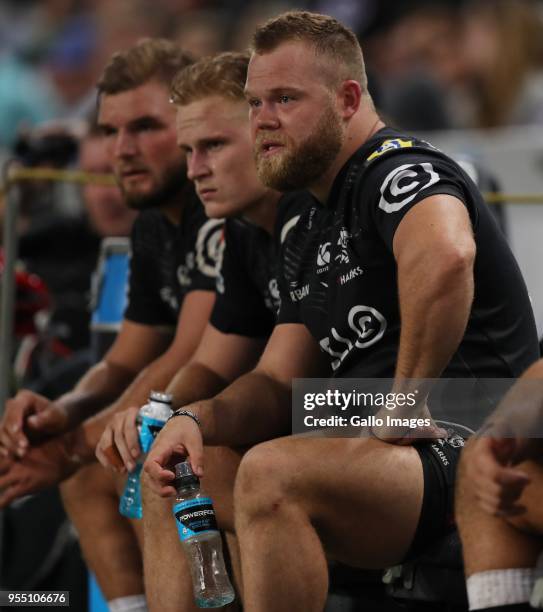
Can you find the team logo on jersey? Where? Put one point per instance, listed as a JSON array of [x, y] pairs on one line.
[[184, 270], [368, 323], [342, 242], [274, 288], [297, 295], [209, 246], [273, 299], [390, 145], [312, 212], [353, 273], [323, 257], [219, 278], [287, 227], [167, 296], [367, 326], [219, 283], [456, 441], [403, 184]]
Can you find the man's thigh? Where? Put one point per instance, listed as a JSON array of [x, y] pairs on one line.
[[363, 496]]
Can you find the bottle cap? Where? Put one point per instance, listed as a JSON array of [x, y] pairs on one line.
[[158, 396], [184, 475]]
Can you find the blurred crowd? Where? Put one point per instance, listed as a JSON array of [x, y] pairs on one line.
[[468, 63]]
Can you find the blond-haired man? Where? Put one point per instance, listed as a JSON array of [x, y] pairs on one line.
[[213, 130]]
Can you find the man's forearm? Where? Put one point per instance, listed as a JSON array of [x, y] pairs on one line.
[[155, 377], [194, 382], [100, 386], [253, 409]]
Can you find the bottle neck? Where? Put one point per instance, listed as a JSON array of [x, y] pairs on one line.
[[184, 491]]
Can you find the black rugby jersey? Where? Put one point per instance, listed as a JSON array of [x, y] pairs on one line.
[[338, 272], [247, 294], [168, 261]]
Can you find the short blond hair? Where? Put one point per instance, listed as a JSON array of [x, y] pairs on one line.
[[223, 75], [149, 59], [330, 39]]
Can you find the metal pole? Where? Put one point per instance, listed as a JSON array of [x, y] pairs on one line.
[[7, 303]]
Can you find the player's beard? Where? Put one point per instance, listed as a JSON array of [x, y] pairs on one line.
[[171, 185], [301, 164]]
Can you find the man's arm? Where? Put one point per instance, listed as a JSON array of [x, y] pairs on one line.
[[51, 462], [434, 250], [134, 348], [255, 407], [219, 359], [192, 320], [30, 414]]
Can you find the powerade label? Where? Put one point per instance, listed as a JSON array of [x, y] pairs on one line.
[[194, 516], [149, 430]]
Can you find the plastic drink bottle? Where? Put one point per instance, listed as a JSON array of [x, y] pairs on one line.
[[201, 539], [151, 419]]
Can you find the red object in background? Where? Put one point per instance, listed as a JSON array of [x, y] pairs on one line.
[[31, 296]]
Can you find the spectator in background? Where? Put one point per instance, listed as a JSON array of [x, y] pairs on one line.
[[53, 230], [474, 64], [202, 32], [56, 238], [502, 51], [416, 58]]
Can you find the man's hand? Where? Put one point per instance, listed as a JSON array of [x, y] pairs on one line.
[[496, 484], [181, 438], [119, 445], [29, 418], [403, 435], [42, 466]]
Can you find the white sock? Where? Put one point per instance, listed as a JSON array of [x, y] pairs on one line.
[[133, 603], [536, 600], [500, 587]]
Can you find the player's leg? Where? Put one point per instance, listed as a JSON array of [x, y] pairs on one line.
[[167, 576], [107, 539], [297, 499], [500, 553]]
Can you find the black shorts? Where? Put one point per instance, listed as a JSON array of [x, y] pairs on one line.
[[439, 462]]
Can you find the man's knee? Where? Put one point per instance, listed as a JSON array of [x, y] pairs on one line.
[[89, 483], [155, 508], [148, 496], [263, 483]]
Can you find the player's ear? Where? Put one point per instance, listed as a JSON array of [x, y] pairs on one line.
[[350, 96]]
